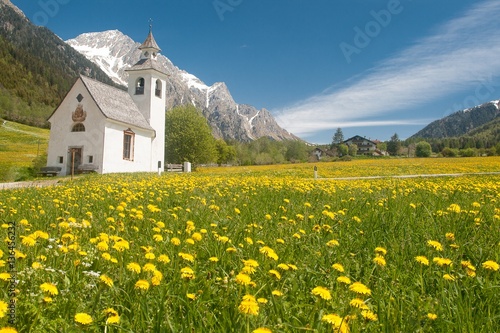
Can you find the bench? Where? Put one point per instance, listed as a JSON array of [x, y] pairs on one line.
[[174, 167], [86, 168], [49, 171]]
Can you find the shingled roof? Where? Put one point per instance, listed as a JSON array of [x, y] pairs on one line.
[[115, 103]]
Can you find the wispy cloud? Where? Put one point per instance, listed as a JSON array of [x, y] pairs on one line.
[[461, 53]]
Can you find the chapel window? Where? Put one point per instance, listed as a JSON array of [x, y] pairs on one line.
[[158, 88], [78, 127], [139, 86], [128, 145]]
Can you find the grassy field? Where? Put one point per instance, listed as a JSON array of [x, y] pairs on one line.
[[19, 145], [259, 250]]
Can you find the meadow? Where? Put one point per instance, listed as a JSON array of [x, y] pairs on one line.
[[258, 249]]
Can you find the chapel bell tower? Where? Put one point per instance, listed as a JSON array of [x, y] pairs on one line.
[[147, 85]]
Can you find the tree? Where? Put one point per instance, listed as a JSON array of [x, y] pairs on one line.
[[338, 137], [353, 149], [296, 151], [225, 152], [188, 137], [423, 149], [394, 145], [342, 149]]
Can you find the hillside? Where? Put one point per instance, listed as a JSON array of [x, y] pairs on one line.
[[470, 122], [37, 68], [19, 146]]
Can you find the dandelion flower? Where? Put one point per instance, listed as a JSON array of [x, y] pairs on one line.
[[249, 306], [358, 303], [49, 288], [432, 316], [262, 330], [83, 318], [344, 280], [191, 296], [435, 244], [243, 279], [332, 243], [187, 273], [338, 268], [422, 260], [449, 277], [368, 315], [157, 277], [106, 280], [175, 241], [268, 252], [360, 288], [134, 267], [442, 261], [4, 276], [450, 236], [322, 292], [163, 258], [142, 284], [3, 309], [112, 315], [8, 330], [277, 293], [262, 300], [213, 259], [491, 265], [380, 250], [274, 273], [379, 260], [339, 324]]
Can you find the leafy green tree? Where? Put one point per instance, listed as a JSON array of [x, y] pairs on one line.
[[296, 151], [394, 145], [353, 149], [225, 152], [188, 137], [449, 152], [423, 149], [342, 149], [338, 137]]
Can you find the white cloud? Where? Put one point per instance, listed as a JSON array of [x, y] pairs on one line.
[[462, 53]]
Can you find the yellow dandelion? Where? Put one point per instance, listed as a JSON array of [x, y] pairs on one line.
[[449, 277], [432, 316], [358, 303], [284, 267], [332, 243], [142, 284], [163, 258], [250, 263], [243, 279], [360, 288], [344, 280], [191, 296], [262, 300], [175, 241], [490, 265], [435, 244], [277, 293], [186, 256], [8, 330], [442, 261], [322, 292], [249, 306], [158, 238], [134, 267], [28, 241], [268, 252], [83, 318], [380, 250], [379, 260], [368, 315], [338, 267], [450, 236], [213, 259], [106, 280], [187, 273], [4, 276], [49, 288], [422, 260], [149, 267], [262, 330], [339, 324], [274, 273], [112, 316], [3, 309], [150, 256]]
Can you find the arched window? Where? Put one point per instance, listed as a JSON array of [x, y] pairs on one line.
[[158, 88], [128, 144], [139, 86], [78, 127]]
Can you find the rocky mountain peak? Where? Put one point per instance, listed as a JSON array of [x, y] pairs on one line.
[[114, 52]]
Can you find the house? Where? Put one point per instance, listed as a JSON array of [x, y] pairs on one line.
[[365, 146], [101, 128]]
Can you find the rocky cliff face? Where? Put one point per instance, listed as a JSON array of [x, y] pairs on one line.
[[114, 52]]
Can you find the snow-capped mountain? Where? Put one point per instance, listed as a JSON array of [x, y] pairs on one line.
[[114, 52]]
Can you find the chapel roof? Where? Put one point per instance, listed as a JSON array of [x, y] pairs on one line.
[[148, 64], [115, 103], [150, 42]]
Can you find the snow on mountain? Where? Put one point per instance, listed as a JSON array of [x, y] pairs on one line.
[[114, 52]]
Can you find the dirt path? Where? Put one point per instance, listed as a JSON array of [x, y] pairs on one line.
[[34, 183]]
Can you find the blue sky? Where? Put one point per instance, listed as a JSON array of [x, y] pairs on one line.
[[370, 67]]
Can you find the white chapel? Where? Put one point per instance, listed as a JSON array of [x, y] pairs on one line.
[[101, 128]]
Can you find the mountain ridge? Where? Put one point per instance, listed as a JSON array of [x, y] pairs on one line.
[[114, 51]]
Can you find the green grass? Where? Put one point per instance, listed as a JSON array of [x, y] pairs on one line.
[[19, 146], [236, 215]]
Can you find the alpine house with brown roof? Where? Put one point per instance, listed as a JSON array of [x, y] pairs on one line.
[[101, 128]]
